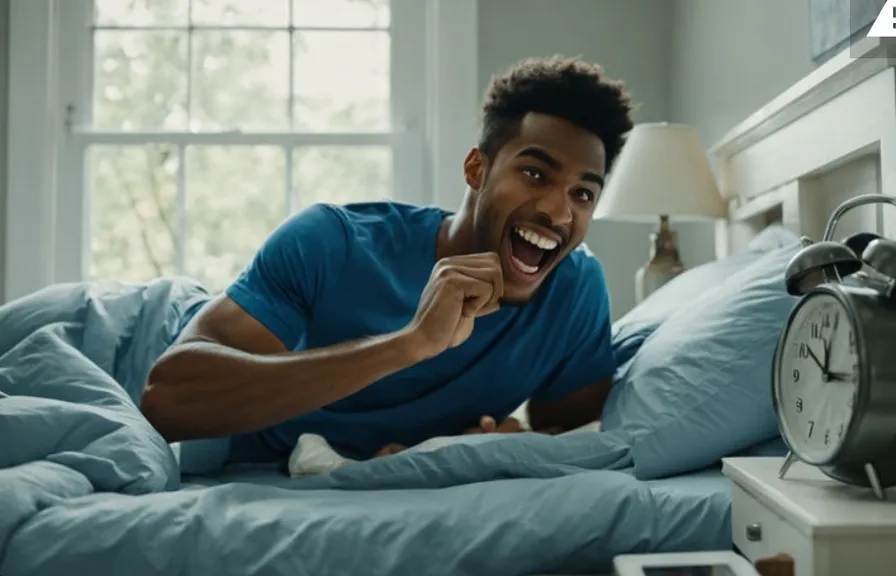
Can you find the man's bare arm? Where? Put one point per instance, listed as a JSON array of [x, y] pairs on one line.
[[570, 412], [228, 374]]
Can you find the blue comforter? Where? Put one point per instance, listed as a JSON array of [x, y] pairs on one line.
[[87, 486]]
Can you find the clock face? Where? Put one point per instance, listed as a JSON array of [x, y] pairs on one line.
[[817, 381]]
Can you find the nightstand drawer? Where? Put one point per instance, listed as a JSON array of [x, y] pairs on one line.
[[760, 533]]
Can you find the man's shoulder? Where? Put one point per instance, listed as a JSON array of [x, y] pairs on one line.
[[577, 286], [581, 269], [376, 221], [576, 301], [382, 212], [383, 217]]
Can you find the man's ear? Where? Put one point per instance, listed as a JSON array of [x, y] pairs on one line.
[[474, 168]]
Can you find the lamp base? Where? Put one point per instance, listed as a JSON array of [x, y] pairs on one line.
[[664, 264]]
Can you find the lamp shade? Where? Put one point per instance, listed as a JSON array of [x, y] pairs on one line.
[[662, 170]]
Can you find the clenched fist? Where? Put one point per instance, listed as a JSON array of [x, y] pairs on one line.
[[460, 289]]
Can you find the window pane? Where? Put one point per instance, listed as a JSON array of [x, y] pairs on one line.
[[235, 198], [342, 81], [240, 80], [241, 13], [133, 217], [341, 174], [140, 80], [140, 12], [341, 13]]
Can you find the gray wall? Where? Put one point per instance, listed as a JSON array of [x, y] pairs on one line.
[[4, 90], [630, 39], [729, 57], [709, 63]]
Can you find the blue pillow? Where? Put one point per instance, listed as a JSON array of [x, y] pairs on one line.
[[630, 331], [699, 388]]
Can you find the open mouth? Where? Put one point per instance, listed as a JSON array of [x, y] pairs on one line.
[[531, 252]]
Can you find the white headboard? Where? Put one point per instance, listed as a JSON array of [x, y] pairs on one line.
[[829, 137]]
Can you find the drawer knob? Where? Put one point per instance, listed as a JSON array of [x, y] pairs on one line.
[[754, 532]]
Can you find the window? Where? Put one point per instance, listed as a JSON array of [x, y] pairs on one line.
[[204, 123], [200, 164]]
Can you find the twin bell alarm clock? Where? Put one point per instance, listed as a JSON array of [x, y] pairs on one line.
[[834, 369]]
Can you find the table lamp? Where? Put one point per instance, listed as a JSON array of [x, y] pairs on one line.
[[662, 172]]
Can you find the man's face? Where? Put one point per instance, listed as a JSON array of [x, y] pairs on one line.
[[534, 200]]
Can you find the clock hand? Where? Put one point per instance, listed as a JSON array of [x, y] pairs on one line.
[[817, 361], [840, 376], [829, 341]]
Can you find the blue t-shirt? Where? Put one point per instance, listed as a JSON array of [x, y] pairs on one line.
[[331, 274]]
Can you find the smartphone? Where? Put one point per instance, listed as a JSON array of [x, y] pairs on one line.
[[718, 570], [683, 564]]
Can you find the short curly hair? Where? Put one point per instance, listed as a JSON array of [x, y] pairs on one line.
[[567, 88]]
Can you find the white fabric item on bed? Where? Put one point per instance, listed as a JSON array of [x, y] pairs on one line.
[[314, 455]]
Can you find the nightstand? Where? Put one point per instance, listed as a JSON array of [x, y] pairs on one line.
[[829, 529]]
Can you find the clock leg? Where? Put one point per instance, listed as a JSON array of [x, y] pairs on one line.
[[788, 462], [874, 481]]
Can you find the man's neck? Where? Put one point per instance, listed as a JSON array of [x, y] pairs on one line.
[[456, 233]]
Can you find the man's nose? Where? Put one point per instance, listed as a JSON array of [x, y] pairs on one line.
[[556, 204]]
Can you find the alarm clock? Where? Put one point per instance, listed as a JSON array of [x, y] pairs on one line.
[[834, 368]]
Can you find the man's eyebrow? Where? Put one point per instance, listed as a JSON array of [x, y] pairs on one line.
[[554, 164], [542, 155]]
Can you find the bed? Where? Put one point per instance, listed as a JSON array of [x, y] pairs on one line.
[[87, 486]]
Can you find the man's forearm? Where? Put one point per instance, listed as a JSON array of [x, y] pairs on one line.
[[204, 389]]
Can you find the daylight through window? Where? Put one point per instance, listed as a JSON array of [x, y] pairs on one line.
[[211, 120]]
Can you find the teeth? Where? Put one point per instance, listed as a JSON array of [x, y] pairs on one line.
[[536, 239], [523, 266]]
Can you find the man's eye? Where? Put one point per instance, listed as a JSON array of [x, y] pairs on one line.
[[534, 173], [585, 195]]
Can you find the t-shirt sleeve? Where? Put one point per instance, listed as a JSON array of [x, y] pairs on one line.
[[589, 357], [292, 268]]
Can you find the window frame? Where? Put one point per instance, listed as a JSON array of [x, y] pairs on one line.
[[47, 224]]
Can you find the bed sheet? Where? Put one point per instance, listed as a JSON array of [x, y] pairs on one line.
[[87, 486]]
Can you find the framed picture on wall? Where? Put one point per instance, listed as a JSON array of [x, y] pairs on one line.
[[835, 24]]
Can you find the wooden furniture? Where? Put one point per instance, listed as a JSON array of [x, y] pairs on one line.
[[827, 528]]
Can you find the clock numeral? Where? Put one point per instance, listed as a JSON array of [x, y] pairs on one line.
[[796, 375], [826, 321], [811, 427], [840, 431], [852, 342], [804, 351], [827, 437], [816, 331], [799, 403]]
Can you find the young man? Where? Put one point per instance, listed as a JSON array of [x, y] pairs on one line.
[[383, 324]]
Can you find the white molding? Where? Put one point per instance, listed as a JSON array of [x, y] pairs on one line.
[[828, 137], [34, 123], [840, 74], [71, 258], [452, 46]]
